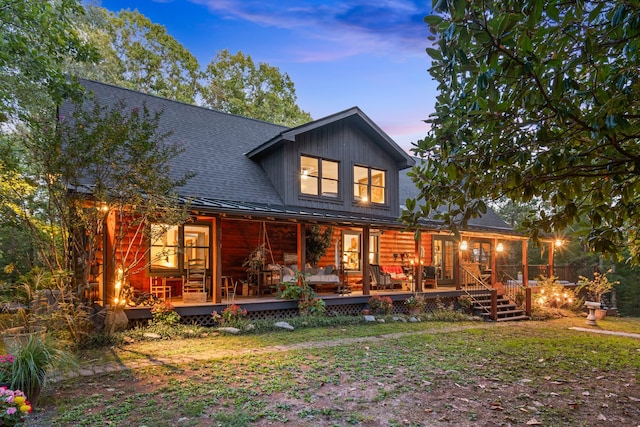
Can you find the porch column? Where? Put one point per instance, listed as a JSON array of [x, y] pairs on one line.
[[550, 260], [494, 263], [108, 257], [417, 255], [302, 247], [366, 279], [525, 264], [216, 265]]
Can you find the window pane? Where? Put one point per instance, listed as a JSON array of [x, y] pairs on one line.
[[330, 169], [361, 183], [308, 166], [196, 242], [308, 175], [374, 249], [329, 178], [329, 188], [309, 185], [351, 251], [164, 246], [377, 186]]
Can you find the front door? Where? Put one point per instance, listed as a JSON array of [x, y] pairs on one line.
[[444, 259]]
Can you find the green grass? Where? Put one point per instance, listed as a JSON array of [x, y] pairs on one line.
[[391, 370]]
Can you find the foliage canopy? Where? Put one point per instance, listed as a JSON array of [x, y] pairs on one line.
[[537, 100]]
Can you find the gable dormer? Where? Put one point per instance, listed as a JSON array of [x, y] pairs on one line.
[[343, 162]]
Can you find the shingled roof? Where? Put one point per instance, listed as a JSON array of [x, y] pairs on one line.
[[219, 149], [489, 221]]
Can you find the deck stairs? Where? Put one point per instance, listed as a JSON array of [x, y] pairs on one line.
[[507, 310]]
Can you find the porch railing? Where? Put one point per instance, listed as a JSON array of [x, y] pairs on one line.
[[473, 286], [513, 290]]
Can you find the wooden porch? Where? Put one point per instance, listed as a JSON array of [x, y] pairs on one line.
[[273, 308]]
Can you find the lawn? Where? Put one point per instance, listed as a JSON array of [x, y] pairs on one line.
[[391, 374]]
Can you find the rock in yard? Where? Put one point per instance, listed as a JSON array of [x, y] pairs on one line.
[[284, 325], [152, 336], [369, 318], [230, 330]]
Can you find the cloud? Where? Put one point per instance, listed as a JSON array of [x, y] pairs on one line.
[[339, 28]]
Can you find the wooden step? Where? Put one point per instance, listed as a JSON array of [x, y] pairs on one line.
[[514, 318]]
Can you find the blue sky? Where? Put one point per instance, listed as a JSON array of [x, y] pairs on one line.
[[338, 53]]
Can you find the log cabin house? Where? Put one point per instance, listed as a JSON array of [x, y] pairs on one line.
[[261, 185]]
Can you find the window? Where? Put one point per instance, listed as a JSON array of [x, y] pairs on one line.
[[444, 259], [369, 184], [318, 177], [351, 251], [374, 249], [196, 243], [168, 241]]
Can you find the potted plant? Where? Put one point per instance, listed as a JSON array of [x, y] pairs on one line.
[[596, 289], [32, 362], [257, 258], [414, 304], [317, 241], [379, 304]]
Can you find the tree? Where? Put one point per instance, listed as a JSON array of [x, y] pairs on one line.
[[100, 165], [138, 54], [37, 38], [234, 84], [537, 100]]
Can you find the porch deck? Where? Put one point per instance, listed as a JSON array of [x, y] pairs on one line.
[[270, 307]]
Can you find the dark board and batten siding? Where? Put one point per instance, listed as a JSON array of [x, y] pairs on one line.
[[345, 143]]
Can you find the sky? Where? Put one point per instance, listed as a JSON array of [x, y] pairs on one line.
[[338, 53]]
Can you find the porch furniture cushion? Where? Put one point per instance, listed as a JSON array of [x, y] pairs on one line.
[[395, 271]]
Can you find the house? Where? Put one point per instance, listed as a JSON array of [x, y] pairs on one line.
[[258, 185]]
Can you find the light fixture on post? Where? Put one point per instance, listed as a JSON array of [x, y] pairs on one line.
[[559, 242], [464, 245], [499, 247]]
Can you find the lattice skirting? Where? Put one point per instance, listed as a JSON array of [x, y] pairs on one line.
[[431, 304]]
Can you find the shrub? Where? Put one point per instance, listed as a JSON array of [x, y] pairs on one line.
[[232, 316], [164, 313], [553, 294], [311, 307], [380, 304]]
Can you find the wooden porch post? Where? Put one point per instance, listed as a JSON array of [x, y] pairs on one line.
[[527, 301], [302, 247], [494, 304], [216, 265], [525, 264], [550, 260], [108, 258], [366, 280], [417, 279], [494, 263]]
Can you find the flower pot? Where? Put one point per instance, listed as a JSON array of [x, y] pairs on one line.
[[414, 311], [600, 314], [19, 336]]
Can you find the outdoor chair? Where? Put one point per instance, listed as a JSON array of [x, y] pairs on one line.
[[196, 277], [379, 280]]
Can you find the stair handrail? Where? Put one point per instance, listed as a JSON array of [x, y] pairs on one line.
[[476, 285], [512, 288]]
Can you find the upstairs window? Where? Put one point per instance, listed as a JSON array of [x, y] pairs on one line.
[[318, 177], [369, 184]]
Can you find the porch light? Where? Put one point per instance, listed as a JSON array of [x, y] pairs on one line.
[[305, 174], [464, 245], [364, 199], [499, 247], [559, 242]]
